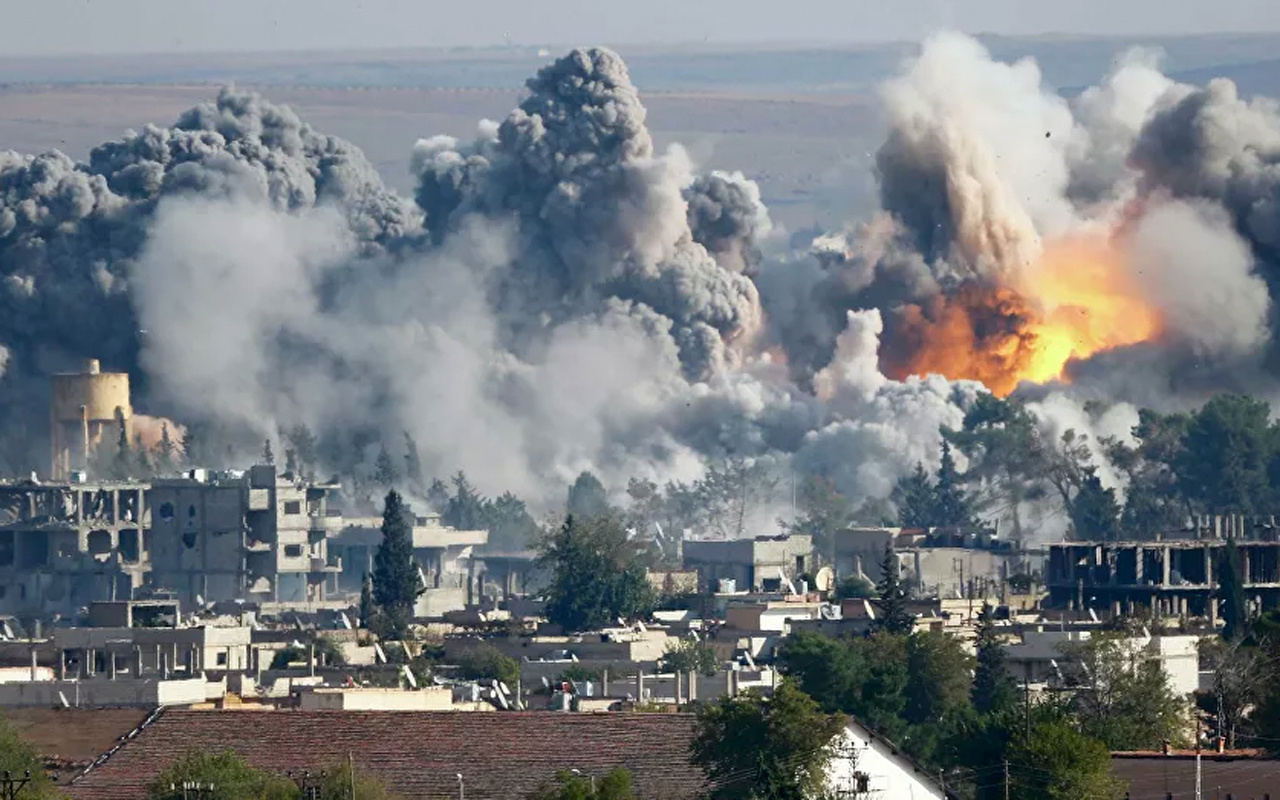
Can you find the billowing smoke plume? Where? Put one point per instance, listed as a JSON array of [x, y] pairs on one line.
[[559, 296]]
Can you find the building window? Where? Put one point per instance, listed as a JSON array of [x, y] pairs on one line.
[[191, 512], [293, 507], [293, 551], [221, 659], [166, 512]]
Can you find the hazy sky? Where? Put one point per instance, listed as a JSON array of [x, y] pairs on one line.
[[47, 27]]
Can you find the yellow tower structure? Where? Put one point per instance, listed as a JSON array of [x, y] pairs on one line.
[[87, 409]]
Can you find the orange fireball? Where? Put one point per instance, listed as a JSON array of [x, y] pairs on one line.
[[1077, 300]]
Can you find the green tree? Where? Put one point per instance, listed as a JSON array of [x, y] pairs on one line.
[[438, 496], [268, 457], [142, 457], [587, 497], [230, 776], [951, 504], [384, 469], [770, 749], [865, 677], [913, 495], [368, 608], [413, 465], [1094, 512], [1123, 697], [1230, 594], [195, 444], [511, 527], [1006, 452], [825, 512], [396, 584], [18, 757], [340, 779], [993, 686], [166, 451], [1226, 451], [690, 656], [615, 785], [466, 509], [303, 443], [596, 574], [1058, 762], [892, 615], [855, 586], [938, 682], [485, 662]]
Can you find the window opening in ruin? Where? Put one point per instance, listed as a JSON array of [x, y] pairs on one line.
[[221, 659], [293, 551], [166, 512], [293, 507], [191, 512], [189, 539], [129, 544], [99, 542]]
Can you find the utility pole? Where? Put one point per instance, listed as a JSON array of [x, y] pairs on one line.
[[1006, 779], [1198, 786], [351, 774], [1026, 707], [11, 785], [461, 790]]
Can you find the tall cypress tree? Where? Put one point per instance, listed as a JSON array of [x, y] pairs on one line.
[[993, 688], [951, 504], [413, 464], [1235, 614], [913, 495], [368, 608], [892, 603], [268, 457], [395, 574]]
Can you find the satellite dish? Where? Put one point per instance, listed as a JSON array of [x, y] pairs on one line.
[[825, 579], [346, 623], [408, 675], [377, 650]]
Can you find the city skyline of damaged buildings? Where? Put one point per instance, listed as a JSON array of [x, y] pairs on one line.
[[268, 537]]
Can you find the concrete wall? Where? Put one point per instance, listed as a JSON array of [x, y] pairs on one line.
[[99, 693], [433, 698]]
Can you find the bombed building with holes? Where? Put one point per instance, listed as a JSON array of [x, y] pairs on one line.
[[1175, 574], [255, 535]]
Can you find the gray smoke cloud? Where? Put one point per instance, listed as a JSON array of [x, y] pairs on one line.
[[560, 296]]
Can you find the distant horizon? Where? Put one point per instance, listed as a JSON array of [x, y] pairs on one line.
[[65, 28], [706, 46]]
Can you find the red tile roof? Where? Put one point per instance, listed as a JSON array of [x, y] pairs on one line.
[[417, 754], [1155, 777], [70, 739]]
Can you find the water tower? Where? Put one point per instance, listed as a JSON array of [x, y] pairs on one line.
[[83, 414]]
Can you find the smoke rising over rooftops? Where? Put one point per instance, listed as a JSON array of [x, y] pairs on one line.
[[558, 295]]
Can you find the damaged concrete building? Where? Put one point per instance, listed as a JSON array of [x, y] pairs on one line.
[[1175, 574], [444, 556], [937, 562], [65, 545]]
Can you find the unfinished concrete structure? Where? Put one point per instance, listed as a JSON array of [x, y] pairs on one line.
[[65, 545], [443, 556], [87, 408], [937, 562], [256, 535], [761, 563], [1173, 576]]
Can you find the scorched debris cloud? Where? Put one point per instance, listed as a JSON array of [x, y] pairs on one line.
[[559, 295]]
